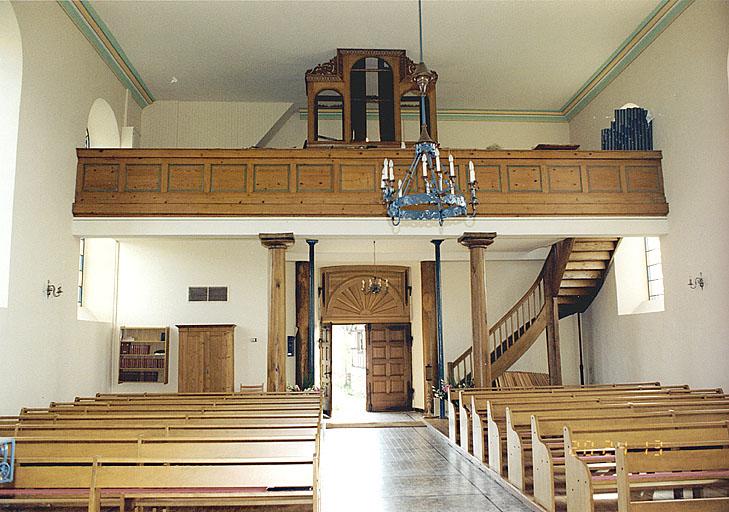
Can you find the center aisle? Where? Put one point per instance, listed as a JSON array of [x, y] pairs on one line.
[[401, 470]]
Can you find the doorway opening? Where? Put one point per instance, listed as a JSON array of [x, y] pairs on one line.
[[349, 370]]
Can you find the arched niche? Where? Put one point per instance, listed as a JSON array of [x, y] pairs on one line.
[[103, 129], [329, 116], [11, 80], [371, 96]]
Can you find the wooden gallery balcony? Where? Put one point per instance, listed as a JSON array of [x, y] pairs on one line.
[[345, 182]]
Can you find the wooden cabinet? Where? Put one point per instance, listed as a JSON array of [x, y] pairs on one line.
[[144, 354], [205, 358]]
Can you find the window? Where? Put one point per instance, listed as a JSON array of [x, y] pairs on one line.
[[81, 252], [654, 269], [11, 74], [638, 275]]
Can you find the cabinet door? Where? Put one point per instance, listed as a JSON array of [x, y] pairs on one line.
[[218, 361], [191, 361]]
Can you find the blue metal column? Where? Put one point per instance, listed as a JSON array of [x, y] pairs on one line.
[[309, 381], [439, 321]]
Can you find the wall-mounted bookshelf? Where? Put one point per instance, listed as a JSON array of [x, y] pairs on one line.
[[144, 354]]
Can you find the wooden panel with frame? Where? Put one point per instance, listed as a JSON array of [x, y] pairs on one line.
[[206, 358], [344, 182]]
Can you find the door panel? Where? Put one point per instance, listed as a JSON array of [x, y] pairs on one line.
[[389, 371], [325, 358], [191, 361], [218, 362]]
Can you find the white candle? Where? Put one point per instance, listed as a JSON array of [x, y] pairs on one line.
[[450, 165], [471, 172], [392, 171], [425, 166], [399, 188], [384, 169], [437, 161]]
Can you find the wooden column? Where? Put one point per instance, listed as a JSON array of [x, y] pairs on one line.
[[277, 243], [302, 322], [557, 261], [430, 348], [554, 360], [477, 244]]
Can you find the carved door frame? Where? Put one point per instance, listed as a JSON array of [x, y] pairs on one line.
[[343, 302]]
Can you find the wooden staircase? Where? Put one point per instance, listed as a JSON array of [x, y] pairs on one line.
[[586, 269], [569, 280]]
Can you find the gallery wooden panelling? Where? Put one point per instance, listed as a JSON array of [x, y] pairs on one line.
[[345, 182]]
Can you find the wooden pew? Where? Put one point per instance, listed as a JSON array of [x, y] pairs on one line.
[[187, 452], [518, 427], [581, 445], [467, 399], [675, 469], [480, 423], [454, 400]]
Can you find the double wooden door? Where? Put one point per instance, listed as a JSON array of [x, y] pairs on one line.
[[205, 358], [389, 367]]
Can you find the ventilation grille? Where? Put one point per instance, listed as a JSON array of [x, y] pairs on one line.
[[207, 294]]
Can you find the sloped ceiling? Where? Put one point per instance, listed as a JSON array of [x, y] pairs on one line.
[[500, 54]]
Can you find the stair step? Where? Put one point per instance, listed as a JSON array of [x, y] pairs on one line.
[[582, 274], [578, 283], [579, 292], [589, 255], [586, 265], [593, 246], [568, 299], [599, 239]]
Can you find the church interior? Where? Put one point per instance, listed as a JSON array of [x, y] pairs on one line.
[[364, 255]]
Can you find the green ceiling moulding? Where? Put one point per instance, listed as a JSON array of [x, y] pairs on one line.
[[648, 30], [101, 38]]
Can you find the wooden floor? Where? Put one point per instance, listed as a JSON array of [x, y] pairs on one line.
[[404, 469]]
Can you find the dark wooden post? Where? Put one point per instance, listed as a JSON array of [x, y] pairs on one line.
[[477, 244], [302, 322], [277, 243], [557, 260], [430, 346]]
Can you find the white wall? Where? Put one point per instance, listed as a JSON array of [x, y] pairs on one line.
[[153, 279], [47, 353], [208, 124], [682, 79], [456, 134]]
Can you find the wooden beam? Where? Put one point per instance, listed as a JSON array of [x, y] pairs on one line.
[[277, 243], [302, 321], [477, 244], [554, 361], [430, 349]]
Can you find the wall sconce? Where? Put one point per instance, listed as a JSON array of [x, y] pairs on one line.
[[53, 291], [697, 281]]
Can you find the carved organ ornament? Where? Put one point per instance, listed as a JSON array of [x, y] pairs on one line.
[[360, 85]]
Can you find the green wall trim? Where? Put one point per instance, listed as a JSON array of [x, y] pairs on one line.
[[131, 80], [467, 115]]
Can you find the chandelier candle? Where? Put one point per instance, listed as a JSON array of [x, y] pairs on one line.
[[442, 197]]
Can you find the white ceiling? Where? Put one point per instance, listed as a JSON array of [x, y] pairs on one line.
[[489, 54]]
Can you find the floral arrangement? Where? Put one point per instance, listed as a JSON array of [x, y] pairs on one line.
[[441, 392], [296, 388]]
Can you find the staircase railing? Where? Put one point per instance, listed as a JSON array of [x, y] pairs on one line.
[[461, 369], [517, 320]]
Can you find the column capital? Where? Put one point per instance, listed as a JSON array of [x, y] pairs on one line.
[[473, 239], [276, 240]]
